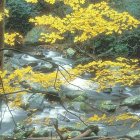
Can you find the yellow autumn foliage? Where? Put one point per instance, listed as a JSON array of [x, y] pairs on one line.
[[105, 73], [6, 13], [12, 38], [114, 118], [85, 22]]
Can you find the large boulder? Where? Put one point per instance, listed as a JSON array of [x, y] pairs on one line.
[[134, 134], [44, 67], [79, 106], [74, 127], [133, 101], [33, 101], [136, 91], [108, 106], [73, 134], [41, 132], [70, 52], [33, 36], [72, 94]]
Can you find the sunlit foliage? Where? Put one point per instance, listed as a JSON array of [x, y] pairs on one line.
[[85, 22], [6, 13], [117, 118], [105, 74], [109, 73], [12, 38]]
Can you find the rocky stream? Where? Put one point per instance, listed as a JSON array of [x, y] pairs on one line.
[[85, 103]]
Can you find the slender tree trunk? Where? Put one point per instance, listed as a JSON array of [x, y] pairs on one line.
[[2, 4]]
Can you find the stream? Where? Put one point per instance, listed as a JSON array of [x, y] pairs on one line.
[[53, 109]]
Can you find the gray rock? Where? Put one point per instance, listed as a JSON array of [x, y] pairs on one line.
[[36, 87], [82, 60], [50, 92], [80, 98], [44, 67], [107, 90], [32, 64], [36, 101], [73, 134], [79, 106], [33, 36], [75, 127], [108, 106], [70, 52], [103, 132], [41, 132], [8, 53], [92, 134], [20, 135], [33, 101], [134, 134], [74, 94], [136, 91], [133, 101]]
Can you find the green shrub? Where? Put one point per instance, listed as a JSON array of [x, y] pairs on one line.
[[20, 12]]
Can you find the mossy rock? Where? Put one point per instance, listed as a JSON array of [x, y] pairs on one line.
[[134, 134], [33, 36], [133, 101], [41, 132], [80, 98], [108, 106], [73, 134]]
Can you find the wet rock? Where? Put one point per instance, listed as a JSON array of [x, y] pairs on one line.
[[85, 107], [20, 135], [17, 63], [34, 87], [63, 118], [21, 131], [107, 90], [92, 134], [41, 132], [75, 127], [52, 94], [103, 132], [8, 66], [83, 60], [74, 94], [79, 106], [39, 56], [108, 106], [44, 67], [65, 135], [70, 52], [33, 101], [136, 91], [133, 101], [8, 135], [36, 101], [87, 75], [32, 64], [73, 134], [80, 98], [8, 53], [123, 139], [27, 58], [32, 37], [134, 134]]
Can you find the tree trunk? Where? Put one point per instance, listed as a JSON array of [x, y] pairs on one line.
[[2, 4]]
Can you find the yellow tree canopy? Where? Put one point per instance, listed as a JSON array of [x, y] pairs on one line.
[[86, 21]]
